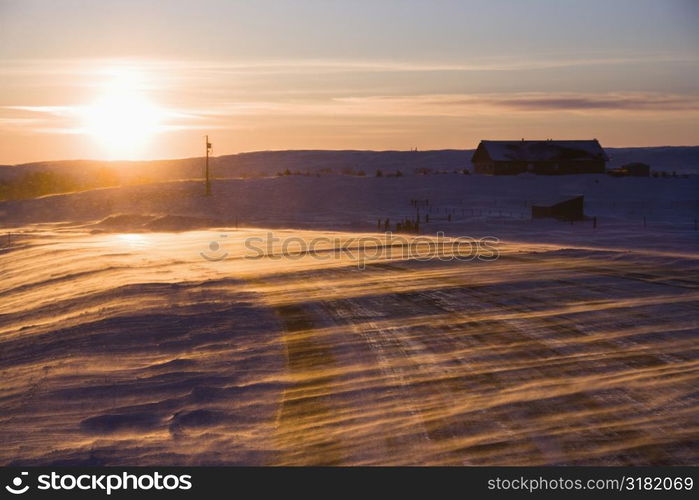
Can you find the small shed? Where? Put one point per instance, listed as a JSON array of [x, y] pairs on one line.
[[635, 169], [563, 208]]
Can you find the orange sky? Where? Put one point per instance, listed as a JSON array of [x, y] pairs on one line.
[[141, 80]]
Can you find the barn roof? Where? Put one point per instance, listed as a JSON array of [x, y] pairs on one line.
[[535, 151]]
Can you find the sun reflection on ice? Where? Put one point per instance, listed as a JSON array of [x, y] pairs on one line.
[[133, 239]]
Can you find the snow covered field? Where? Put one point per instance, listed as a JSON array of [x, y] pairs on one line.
[[122, 343]]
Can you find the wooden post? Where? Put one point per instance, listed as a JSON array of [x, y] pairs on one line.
[[208, 180]]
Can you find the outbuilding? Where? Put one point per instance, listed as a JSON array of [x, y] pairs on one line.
[[563, 208], [635, 169]]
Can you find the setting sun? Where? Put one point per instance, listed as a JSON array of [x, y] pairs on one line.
[[122, 118]]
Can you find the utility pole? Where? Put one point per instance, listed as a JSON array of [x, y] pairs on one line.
[[208, 179]]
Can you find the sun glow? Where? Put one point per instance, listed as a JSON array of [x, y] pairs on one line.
[[122, 118], [132, 239]]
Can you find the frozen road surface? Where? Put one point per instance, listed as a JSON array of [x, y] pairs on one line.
[[164, 348]]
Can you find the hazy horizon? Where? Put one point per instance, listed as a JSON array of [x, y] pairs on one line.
[[201, 155], [146, 80]]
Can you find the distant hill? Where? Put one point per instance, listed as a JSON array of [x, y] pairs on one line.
[[71, 175], [260, 163]]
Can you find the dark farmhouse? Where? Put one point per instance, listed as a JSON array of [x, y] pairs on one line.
[[547, 157]]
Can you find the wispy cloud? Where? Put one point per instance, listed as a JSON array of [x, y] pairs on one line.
[[91, 67], [51, 110], [603, 102], [232, 114], [199, 94], [462, 105], [69, 119]]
